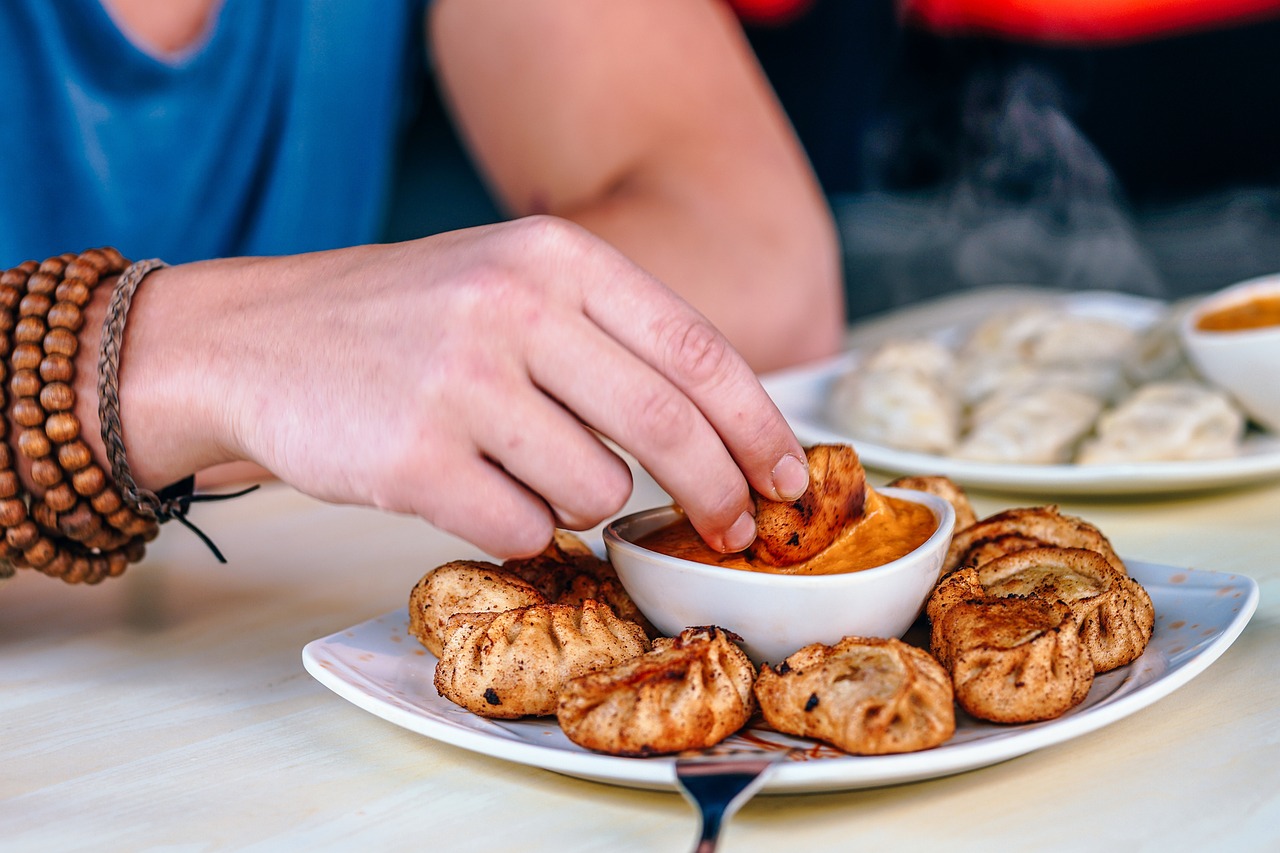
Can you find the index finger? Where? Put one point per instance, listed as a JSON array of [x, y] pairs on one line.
[[671, 336]]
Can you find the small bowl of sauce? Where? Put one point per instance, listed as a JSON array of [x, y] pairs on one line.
[[872, 581], [1232, 337]]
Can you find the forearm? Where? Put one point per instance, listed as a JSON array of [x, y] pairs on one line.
[[761, 261], [651, 124]]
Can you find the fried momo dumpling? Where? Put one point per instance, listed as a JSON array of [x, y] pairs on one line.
[[1022, 528], [945, 488], [463, 586], [1114, 612], [1012, 660], [513, 664], [567, 572], [790, 532], [1042, 426], [1167, 421], [689, 692], [867, 696]]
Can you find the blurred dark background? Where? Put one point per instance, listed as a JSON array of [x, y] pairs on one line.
[[951, 162]]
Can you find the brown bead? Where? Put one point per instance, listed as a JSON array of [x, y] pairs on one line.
[[40, 552], [80, 523], [23, 535], [65, 315], [30, 330], [42, 282], [61, 341], [117, 562], [26, 357], [57, 368], [73, 291], [114, 258], [44, 515], [88, 481], [87, 273], [135, 550], [35, 305], [57, 397], [59, 565], [62, 427], [25, 383], [107, 501], [61, 497], [98, 569], [10, 485], [12, 512], [106, 539], [124, 519], [15, 278], [6, 454], [74, 455], [78, 571], [45, 472], [7, 321], [34, 444], [150, 533], [54, 265], [27, 413], [96, 259]]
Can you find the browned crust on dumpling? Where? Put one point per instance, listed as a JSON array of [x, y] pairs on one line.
[[463, 586], [1114, 612], [514, 664], [867, 696], [1022, 528], [945, 488], [567, 572], [790, 532], [689, 692], [1011, 660]]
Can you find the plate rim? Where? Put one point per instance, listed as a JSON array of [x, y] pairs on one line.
[[827, 775]]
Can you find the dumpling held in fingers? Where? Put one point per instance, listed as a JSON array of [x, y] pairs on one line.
[[514, 664], [689, 692], [866, 696], [790, 532]]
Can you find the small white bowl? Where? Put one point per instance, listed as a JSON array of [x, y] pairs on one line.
[[1243, 363], [778, 614]]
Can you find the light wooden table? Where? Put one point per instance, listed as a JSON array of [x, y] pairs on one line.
[[169, 710]]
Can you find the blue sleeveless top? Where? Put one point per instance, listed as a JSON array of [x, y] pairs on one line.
[[276, 133]]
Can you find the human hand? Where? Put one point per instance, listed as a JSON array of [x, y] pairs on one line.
[[460, 378]]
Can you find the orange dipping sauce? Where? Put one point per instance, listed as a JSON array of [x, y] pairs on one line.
[[1258, 312], [889, 529]]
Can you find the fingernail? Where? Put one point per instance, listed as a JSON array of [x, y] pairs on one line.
[[790, 478], [741, 534]]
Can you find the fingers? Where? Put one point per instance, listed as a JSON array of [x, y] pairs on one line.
[[549, 450], [474, 499], [696, 369]]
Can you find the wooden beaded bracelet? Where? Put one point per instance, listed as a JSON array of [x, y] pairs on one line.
[[79, 529]]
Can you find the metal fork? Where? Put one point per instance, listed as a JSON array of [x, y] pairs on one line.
[[718, 787]]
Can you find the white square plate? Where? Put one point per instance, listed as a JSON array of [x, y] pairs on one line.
[[379, 667]]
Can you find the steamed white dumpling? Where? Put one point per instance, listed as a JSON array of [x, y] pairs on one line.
[[1167, 421]]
